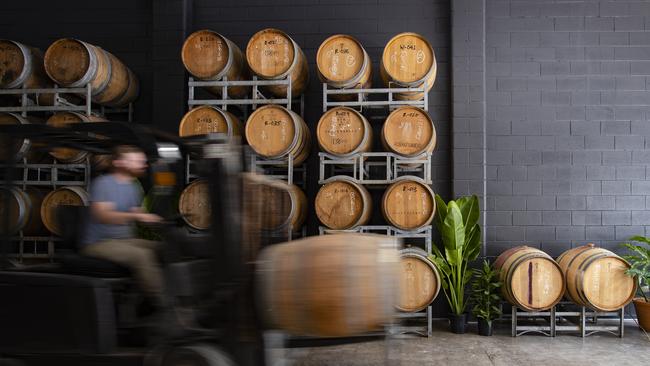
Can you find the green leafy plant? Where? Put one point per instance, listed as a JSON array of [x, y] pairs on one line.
[[457, 222], [640, 262], [485, 293]]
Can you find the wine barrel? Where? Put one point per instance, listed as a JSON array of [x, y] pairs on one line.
[[207, 119], [22, 147], [595, 278], [531, 279], [330, 286], [409, 132], [73, 63], [23, 209], [408, 203], [342, 203], [275, 132], [21, 66], [132, 90], [344, 64], [272, 54], [342, 131], [61, 119], [283, 205], [194, 205], [208, 55], [408, 61], [419, 280], [72, 196]]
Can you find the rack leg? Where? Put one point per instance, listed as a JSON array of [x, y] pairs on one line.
[[514, 321], [583, 322], [553, 320], [621, 322]]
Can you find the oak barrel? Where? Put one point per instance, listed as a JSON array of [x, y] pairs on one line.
[[208, 55], [272, 54], [275, 132], [61, 119], [21, 66], [71, 196], [531, 279], [343, 63], [419, 280], [342, 131], [409, 132], [342, 203], [22, 147], [283, 205], [23, 209], [408, 61], [408, 203], [74, 63], [330, 286], [207, 119], [595, 278], [194, 205]]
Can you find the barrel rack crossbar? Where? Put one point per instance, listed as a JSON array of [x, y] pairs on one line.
[[582, 321], [60, 103], [422, 233], [284, 169], [362, 98], [256, 97], [363, 166]]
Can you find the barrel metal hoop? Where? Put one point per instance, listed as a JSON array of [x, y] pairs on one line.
[[566, 273], [580, 272], [515, 264], [297, 55], [91, 72], [231, 58], [102, 87], [27, 66]]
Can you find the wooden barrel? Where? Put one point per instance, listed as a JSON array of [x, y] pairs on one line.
[[409, 132], [194, 205], [23, 209], [207, 119], [72, 196], [408, 61], [531, 279], [595, 278], [330, 286], [275, 132], [21, 66], [408, 203], [73, 63], [272, 54], [132, 91], [419, 280], [22, 147], [344, 64], [208, 55], [61, 119], [342, 203], [342, 131], [283, 205]]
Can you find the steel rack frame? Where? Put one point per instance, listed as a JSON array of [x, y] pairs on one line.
[[362, 98], [362, 165]]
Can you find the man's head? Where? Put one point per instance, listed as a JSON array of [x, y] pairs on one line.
[[129, 160]]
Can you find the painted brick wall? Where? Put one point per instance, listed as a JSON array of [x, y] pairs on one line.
[[568, 123]]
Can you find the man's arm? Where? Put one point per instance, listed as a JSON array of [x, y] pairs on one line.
[[105, 213]]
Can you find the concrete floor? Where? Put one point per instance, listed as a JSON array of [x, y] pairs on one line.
[[445, 348]]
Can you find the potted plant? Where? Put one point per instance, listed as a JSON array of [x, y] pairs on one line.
[[640, 268], [486, 297], [461, 238]]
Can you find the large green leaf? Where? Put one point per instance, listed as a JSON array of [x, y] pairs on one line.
[[441, 212], [473, 244], [453, 232], [469, 209], [642, 239]]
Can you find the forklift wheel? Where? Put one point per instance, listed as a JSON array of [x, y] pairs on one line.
[[197, 355]]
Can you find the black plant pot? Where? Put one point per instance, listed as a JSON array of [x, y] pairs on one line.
[[484, 327], [457, 323]]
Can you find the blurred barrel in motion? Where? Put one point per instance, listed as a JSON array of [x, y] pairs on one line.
[[283, 205], [419, 280], [595, 278], [194, 205], [207, 119], [275, 132], [73, 63], [408, 204], [272, 54], [409, 132], [208, 55], [22, 148], [330, 286], [61, 119], [343, 63], [342, 203], [531, 279], [21, 66], [408, 61], [342, 131], [23, 208], [71, 196]]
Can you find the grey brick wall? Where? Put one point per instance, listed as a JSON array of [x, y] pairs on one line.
[[568, 110]]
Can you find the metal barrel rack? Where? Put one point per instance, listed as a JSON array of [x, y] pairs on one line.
[[385, 98], [363, 166]]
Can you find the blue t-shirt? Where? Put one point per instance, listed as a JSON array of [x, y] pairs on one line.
[[124, 195]]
